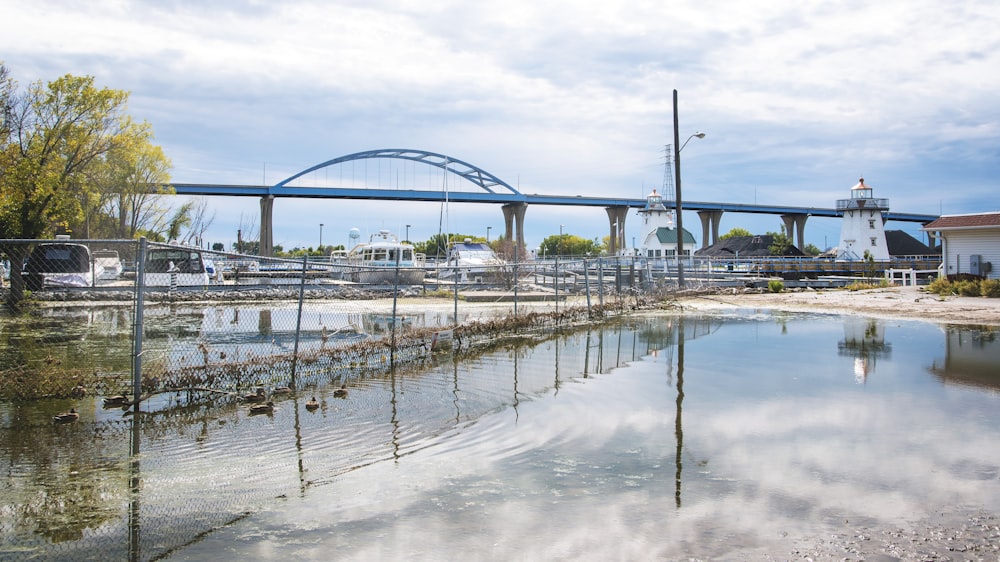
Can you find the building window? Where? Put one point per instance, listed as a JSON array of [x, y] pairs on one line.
[[871, 223], [873, 242]]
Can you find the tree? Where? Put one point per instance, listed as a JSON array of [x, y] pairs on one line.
[[180, 219], [133, 180], [54, 140], [437, 245], [780, 243], [735, 232], [199, 222], [568, 245], [812, 250]]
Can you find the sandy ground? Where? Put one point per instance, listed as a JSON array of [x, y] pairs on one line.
[[892, 302]]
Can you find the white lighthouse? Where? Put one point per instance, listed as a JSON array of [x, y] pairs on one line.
[[863, 226], [659, 231]]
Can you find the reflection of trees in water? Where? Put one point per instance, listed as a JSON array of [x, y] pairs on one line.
[[74, 484], [44, 349]]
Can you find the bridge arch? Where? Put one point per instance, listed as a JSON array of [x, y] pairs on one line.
[[473, 174]]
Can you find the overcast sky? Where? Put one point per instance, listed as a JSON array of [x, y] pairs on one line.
[[797, 100]]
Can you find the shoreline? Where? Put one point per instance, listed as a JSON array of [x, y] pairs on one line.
[[909, 303]]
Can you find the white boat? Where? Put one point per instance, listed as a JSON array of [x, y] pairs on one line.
[[378, 260], [60, 264], [110, 264], [175, 266], [472, 262]]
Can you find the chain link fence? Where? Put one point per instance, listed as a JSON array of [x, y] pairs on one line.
[[163, 347]]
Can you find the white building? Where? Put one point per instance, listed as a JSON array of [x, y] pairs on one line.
[[969, 243], [659, 231], [863, 225]]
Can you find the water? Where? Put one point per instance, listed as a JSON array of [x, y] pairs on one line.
[[663, 437]]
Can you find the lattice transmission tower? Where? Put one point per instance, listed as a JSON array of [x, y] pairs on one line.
[[669, 192]]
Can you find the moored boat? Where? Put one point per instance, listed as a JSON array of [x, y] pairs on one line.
[[471, 262], [175, 266], [384, 259], [60, 264]]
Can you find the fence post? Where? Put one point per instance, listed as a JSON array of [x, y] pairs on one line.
[[555, 279], [298, 319], [600, 281], [395, 299], [137, 324], [516, 259], [586, 283], [454, 279]]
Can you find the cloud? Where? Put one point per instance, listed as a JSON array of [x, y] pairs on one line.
[[561, 97]]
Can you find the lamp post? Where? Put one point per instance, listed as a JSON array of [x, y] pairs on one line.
[[407, 233], [561, 238], [320, 235], [677, 181], [488, 234]]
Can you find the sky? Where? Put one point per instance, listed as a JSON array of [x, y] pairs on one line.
[[797, 99]]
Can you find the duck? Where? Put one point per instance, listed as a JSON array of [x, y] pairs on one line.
[[312, 404], [283, 389], [66, 417], [79, 391], [258, 396], [341, 392], [262, 408], [119, 400]]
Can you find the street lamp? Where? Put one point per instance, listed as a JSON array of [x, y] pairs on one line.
[[407, 233], [677, 181], [561, 238], [320, 235], [488, 234]]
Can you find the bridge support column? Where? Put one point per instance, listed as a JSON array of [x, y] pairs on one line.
[[795, 228], [513, 217], [266, 241], [616, 218], [709, 218]]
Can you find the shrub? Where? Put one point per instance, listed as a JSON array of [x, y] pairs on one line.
[[967, 288], [941, 286], [990, 288], [775, 286], [862, 286]]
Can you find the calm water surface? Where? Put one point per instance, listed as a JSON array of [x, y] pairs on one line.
[[708, 436]]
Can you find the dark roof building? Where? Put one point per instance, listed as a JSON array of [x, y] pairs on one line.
[[902, 244], [745, 246]]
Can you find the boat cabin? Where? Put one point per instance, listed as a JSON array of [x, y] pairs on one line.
[[59, 264], [175, 266]]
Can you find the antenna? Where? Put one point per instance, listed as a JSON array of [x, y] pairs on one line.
[[668, 176]]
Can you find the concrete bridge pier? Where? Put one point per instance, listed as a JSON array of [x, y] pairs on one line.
[[266, 226], [709, 218], [616, 218], [513, 215], [795, 228]]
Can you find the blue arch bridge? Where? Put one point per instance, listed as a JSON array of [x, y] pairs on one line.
[[487, 188]]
